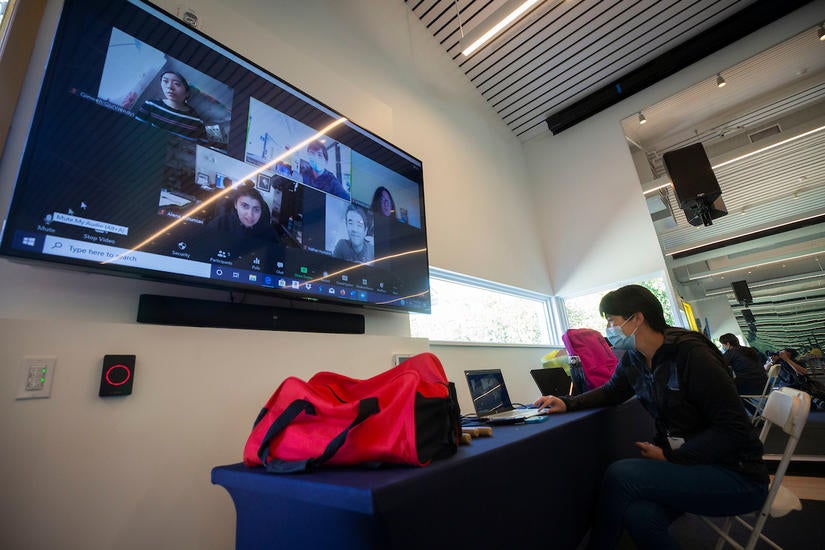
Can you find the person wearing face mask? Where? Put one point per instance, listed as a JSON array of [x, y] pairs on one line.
[[705, 457], [750, 377], [315, 172]]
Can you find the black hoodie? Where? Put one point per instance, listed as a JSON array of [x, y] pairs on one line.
[[691, 395]]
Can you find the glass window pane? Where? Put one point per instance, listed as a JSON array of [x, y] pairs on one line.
[[468, 313]]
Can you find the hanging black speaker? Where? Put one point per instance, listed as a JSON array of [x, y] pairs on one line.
[[695, 184], [742, 292]]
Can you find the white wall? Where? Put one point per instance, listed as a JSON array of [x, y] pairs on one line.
[[79, 471]]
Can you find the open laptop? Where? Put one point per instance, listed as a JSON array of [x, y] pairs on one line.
[[490, 398], [552, 381]]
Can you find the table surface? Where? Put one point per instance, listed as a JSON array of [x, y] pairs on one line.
[[553, 468]]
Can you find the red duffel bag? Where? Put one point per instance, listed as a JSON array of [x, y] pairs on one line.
[[406, 415]]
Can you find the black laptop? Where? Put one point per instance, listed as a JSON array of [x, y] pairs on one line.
[[552, 381]]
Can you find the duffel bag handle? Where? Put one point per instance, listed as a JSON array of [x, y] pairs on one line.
[[366, 408]]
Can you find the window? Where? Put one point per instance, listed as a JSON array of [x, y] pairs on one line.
[[466, 309], [583, 311]]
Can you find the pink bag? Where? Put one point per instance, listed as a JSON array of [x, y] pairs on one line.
[[597, 359]]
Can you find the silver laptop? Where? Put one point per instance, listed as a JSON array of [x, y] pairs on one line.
[[490, 398]]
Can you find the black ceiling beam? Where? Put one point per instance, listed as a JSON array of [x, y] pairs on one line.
[[724, 33]]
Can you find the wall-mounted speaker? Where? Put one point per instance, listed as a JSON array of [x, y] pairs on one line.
[[742, 292]]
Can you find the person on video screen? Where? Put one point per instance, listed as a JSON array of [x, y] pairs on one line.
[[249, 215], [356, 248], [173, 113], [316, 174]]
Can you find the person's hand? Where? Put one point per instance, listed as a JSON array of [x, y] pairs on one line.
[[784, 355], [549, 404], [649, 450]]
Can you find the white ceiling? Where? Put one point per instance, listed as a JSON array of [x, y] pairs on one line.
[[564, 51]]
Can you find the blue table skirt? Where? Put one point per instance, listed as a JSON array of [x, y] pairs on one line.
[[528, 484]]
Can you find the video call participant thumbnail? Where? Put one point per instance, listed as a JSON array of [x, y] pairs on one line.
[[173, 112], [316, 173]]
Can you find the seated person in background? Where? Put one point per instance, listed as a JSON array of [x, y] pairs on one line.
[[356, 248], [173, 113], [706, 457], [317, 175], [749, 376], [792, 374], [249, 215]]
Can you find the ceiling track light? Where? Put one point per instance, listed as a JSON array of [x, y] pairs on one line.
[[720, 81], [642, 118], [500, 20]]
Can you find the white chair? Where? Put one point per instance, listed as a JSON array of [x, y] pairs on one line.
[[758, 401], [788, 409]]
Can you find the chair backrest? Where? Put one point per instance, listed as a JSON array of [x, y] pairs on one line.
[[773, 374], [787, 408]]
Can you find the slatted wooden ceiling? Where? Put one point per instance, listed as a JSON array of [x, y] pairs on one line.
[[564, 50]]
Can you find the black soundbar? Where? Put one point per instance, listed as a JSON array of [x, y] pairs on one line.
[[168, 310]]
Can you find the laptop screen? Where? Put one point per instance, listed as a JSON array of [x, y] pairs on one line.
[[488, 391]]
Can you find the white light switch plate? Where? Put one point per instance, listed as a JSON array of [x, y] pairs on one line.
[[36, 376]]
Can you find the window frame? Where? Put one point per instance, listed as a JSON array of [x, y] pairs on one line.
[[552, 315]]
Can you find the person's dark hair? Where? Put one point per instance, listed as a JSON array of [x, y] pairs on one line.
[[792, 352], [729, 339], [375, 206], [317, 146], [627, 300]]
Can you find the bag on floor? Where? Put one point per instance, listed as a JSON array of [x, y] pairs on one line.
[[597, 359], [406, 415]]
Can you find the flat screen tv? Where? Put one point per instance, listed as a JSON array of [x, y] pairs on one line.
[[157, 152]]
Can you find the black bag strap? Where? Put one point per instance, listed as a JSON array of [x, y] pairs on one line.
[[366, 408]]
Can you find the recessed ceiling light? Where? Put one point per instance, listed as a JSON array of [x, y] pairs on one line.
[[720, 82], [642, 118]]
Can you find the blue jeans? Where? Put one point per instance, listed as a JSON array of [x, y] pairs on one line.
[[644, 496]]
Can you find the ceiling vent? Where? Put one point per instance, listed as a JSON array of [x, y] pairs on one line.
[[767, 132]]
